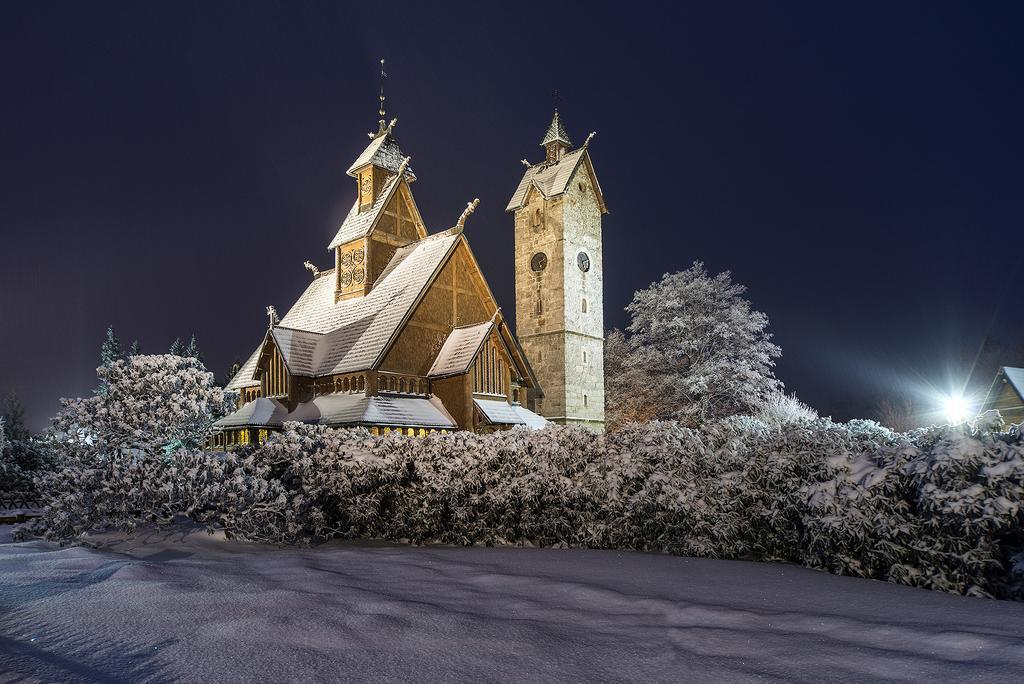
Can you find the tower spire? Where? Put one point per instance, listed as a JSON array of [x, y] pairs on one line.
[[381, 125], [556, 140]]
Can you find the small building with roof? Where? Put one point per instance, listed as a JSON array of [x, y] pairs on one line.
[[1006, 394]]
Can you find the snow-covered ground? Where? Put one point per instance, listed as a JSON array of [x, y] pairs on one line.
[[181, 605]]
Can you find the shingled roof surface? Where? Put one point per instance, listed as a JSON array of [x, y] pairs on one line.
[[320, 337], [383, 151], [550, 179], [459, 350], [556, 131], [243, 378], [259, 412], [359, 223], [359, 409]]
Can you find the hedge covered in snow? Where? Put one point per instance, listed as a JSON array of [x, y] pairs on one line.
[[937, 508]]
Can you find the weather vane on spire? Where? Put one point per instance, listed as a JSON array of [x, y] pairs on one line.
[[381, 125]]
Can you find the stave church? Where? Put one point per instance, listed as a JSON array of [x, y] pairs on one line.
[[404, 335]]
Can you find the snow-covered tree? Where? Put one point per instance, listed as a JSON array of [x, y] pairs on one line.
[[627, 397], [696, 350], [177, 348], [135, 349], [150, 402], [192, 350], [14, 419], [110, 351], [232, 372]]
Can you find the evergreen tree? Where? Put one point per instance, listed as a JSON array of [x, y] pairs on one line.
[[135, 349], [696, 351], [110, 351], [192, 351], [232, 372], [14, 419], [177, 348]]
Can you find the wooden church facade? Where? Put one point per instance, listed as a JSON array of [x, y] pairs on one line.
[[402, 334]]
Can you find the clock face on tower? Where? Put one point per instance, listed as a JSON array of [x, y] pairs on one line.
[[583, 261], [539, 262]]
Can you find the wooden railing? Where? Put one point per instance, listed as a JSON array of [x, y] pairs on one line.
[[10, 501]]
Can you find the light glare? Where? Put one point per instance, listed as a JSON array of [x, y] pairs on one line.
[[956, 409]]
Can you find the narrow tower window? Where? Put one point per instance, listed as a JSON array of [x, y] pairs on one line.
[[584, 400], [583, 308]]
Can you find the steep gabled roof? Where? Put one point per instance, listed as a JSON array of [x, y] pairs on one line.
[[324, 337], [359, 223], [383, 151], [459, 350], [244, 376], [298, 348], [553, 179]]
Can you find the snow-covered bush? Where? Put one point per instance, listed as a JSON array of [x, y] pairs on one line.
[[125, 489], [147, 402], [21, 461], [938, 508], [123, 455], [781, 409], [461, 488]]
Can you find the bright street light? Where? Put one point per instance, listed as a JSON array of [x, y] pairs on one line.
[[957, 409]]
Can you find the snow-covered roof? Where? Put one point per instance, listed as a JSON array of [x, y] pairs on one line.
[[459, 350], [359, 223], [556, 131], [319, 336], [259, 412], [243, 378], [299, 349], [384, 409], [531, 419], [551, 179], [383, 151], [1015, 376], [499, 412]]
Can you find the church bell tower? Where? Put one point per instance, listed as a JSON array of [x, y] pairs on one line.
[[559, 269]]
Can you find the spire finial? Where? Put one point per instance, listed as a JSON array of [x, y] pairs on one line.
[[382, 124]]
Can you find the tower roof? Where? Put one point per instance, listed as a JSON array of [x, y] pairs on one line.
[[383, 152], [556, 132]]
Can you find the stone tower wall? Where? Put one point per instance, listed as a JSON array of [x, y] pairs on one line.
[[564, 344], [584, 346]]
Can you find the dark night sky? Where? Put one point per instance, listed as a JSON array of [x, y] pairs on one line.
[[167, 167]]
